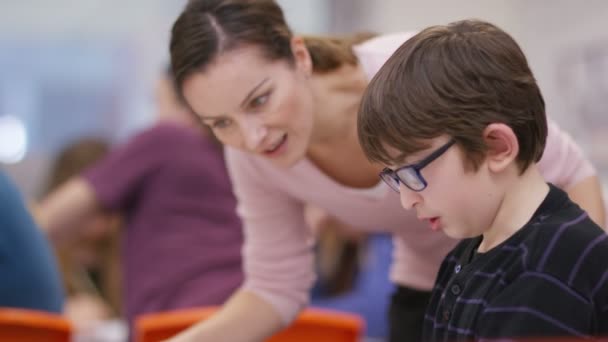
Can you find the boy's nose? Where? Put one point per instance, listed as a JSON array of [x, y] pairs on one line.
[[409, 198]]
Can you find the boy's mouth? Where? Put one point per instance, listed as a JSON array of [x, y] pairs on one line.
[[435, 223]]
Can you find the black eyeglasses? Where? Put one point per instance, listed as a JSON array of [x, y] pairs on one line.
[[410, 174]]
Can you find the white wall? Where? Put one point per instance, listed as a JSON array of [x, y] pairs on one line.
[[141, 25], [87, 17], [306, 16], [145, 23], [395, 15], [556, 33]]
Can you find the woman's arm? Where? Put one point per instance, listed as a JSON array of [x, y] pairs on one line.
[[64, 210], [244, 318], [277, 258]]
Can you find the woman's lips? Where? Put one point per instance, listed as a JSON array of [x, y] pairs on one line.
[[278, 148]]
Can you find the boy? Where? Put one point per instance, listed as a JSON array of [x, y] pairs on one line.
[[457, 114]]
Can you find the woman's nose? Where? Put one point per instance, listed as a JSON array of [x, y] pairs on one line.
[[254, 132]]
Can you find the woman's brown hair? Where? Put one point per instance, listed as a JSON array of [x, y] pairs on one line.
[[207, 28]]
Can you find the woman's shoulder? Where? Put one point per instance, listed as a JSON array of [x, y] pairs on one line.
[[384, 42], [373, 53]]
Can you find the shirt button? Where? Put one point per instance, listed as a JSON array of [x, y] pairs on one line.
[[445, 315], [455, 289], [457, 268]]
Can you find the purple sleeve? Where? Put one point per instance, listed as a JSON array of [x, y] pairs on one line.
[[118, 178], [373, 53]]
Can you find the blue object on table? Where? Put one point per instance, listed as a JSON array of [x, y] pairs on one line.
[[29, 277], [371, 292]]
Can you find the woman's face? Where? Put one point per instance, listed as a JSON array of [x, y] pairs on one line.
[[257, 105]]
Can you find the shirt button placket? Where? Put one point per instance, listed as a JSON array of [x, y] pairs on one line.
[[445, 315]]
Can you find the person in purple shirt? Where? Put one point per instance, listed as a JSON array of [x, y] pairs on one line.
[[182, 236]]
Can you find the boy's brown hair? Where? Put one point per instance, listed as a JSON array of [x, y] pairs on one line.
[[453, 80]]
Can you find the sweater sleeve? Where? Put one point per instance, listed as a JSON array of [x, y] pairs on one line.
[[278, 256], [563, 162], [119, 177], [373, 53]]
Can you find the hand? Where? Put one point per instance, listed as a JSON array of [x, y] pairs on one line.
[[86, 311]]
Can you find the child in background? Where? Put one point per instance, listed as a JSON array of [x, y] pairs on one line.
[[90, 262], [181, 235], [458, 117]]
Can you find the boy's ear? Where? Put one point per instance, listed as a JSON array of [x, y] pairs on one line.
[[502, 146]]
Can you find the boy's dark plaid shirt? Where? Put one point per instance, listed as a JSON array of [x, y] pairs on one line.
[[547, 280]]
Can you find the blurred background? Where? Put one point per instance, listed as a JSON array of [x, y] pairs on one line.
[[87, 68]]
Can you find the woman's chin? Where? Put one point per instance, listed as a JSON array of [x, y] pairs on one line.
[[287, 155]]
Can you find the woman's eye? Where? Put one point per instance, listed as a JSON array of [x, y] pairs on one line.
[[222, 123], [259, 101]]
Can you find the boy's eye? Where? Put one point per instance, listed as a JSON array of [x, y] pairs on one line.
[[259, 101], [221, 123]]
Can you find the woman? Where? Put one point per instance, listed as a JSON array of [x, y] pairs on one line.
[[285, 107]]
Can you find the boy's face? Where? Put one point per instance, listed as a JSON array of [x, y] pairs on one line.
[[462, 203]]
